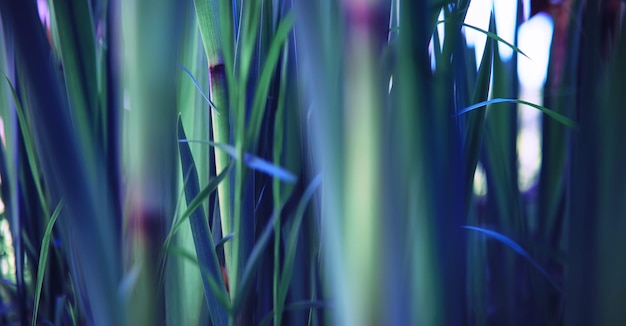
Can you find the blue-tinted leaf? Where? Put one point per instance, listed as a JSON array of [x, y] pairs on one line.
[[555, 115], [200, 89], [517, 248], [205, 249], [251, 161]]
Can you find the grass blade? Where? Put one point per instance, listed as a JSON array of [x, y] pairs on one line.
[[260, 95], [43, 258], [476, 122], [253, 162], [214, 283], [197, 202], [553, 114], [518, 249], [195, 82], [292, 242], [493, 36], [205, 249]]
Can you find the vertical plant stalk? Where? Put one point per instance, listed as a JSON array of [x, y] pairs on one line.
[[554, 179], [430, 146], [320, 29], [151, 33], [207, 12], [595, 289], [366, 26]]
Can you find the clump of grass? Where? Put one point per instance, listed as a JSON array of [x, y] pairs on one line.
[[326, 163]]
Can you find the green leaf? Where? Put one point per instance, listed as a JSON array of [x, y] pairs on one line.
[[292, 240], [260, 95], [213, 283], [205, 249], [43, 258], [31, 157], [197, 202]]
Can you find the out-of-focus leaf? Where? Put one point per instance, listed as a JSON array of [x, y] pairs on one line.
[[297, 305], [518, 249]]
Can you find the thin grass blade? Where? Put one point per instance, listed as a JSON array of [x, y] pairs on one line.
[[518, 249], [43, 258], [551, 113]]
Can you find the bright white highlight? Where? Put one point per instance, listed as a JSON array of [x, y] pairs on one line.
[[441, 30], [529, 141], [480, 181], [535, 39], [478, 16], [506, 16], [431, 45]]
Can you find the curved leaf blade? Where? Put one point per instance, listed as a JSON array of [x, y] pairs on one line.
[[551, 113], [517, 248]]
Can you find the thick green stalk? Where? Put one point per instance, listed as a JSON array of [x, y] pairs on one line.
[[594, 285], [150, 69], [210, 26], [431, 183], [366, 23]]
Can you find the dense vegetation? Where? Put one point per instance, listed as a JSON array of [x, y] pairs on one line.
[[304, 162]]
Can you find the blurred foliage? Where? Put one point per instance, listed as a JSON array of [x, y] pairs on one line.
[[229, 162]]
